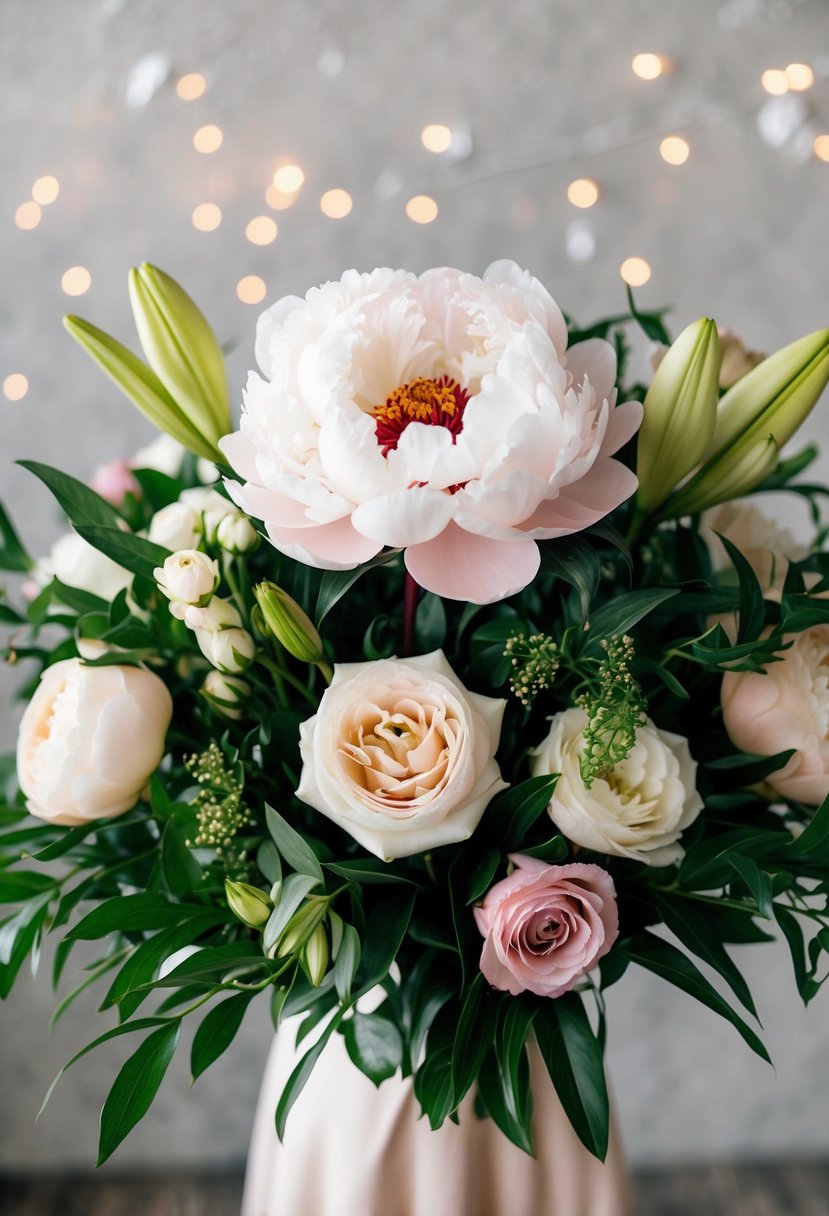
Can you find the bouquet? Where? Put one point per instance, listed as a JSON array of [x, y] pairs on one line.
[[464, 673]]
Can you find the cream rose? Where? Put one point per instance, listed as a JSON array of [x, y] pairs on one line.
[[546, 926], [787, 706], [401, 754], [639, 810], [89, 740]]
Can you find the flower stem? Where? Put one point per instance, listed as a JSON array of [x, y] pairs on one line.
[[410, 595]]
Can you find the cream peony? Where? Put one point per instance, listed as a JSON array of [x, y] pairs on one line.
[[438, 414], [90, 739], [786, 707], [766, 546], [639, 810], [401, 755]]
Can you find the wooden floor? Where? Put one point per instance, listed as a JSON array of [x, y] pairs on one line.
[[799, 1189]]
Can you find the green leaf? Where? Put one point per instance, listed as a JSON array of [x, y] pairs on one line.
[[368, 870], [19, 885], [553, 850], [296, 1081], [134, 553], [385, 930], [815, 836], [476, 1031], [510, 1109], [752, 610], [483, 872], [672, 965], [513, 812], [793, 934], [78, 600], [374, 1045], [573, 1057], [18, 936], [135, 1087], [625, 611], [80, 504], [576, 562], [12, 554], [335, 583], [515, 1117], [293, 847], [697, 930], [347, 962], [182, 872], [217, 1031], [291, 894], [758, 883], [430, 623], [433, 1086], [127, 913]]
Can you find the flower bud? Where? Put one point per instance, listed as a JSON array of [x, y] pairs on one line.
[[236, 534], [291, 627], [250, 905], [177, 526], [210, 509], [114, 481], [755, 419], [315, 956], [219, 614], [230, 650], [181, 349], [736, 360], [188, 577], [680, 411], [226, 694], [304, 922]]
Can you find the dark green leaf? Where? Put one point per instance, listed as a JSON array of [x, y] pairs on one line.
[[182, 872], [483, 872], [19, 885], [625, 611], [574, 561], [758, 883], [752, 610], [513, 812], [430, 623], [573, 1056], [132, 552], [12, 554], [296, 1081], [126, 913], [17, 938], [510, 1109], [367, 870], [80, 504], [815, 836], [698, 932], [335, 583], [135, 1087], [552, 850], [217, 1031], [433, 1086], [385, 930], [374, 1045], [293, 847], [476, 1031]]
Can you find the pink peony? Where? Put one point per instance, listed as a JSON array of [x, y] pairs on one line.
[[442, 415], [114, 481], [546, 926]]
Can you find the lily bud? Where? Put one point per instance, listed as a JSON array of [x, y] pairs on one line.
[[315, 956], [250, 905], [301, 926], [226, 694], [680, 411], [755, 419], [291, 627], [182, 350]]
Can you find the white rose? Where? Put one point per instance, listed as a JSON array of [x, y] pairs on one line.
[[229, 649], [176, 527], [219, 614], [210, 507], [77, 564], [236, 534], [90, 739], [188, 577], [401, 755], [226, 693], [639, 810]]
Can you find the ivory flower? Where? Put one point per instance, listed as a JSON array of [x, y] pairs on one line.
[[785, 707], [78, 564], [401, 755], [90, 739], [442, 415], [639, 809], [188, 577]]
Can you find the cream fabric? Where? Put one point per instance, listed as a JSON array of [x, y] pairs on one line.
[[353, 1150]]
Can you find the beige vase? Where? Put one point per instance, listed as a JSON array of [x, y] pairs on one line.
[[352, 1149]]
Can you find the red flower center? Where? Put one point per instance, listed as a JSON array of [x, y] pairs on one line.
[[436, 402]]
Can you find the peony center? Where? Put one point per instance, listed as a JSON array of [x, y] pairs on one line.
[[438, 402]]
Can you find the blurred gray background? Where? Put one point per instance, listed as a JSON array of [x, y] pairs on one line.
[[536, 93]]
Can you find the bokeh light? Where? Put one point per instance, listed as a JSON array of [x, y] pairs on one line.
[[422, 209], [799, 76], [821, 147], [261, 230], [76, 281], [45, 190], [27, 216], [207, 217], [208, 139], [635, 271], [191, 86], [251, 289], [774, 81], [336, 204], [648, 66], [436, 137], [583, 192], [674, 150], [15, 386], [288, 179]]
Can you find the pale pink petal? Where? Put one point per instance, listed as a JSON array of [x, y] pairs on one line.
[[240, 453], [622, 425], [584, 502], [535, 298], [460, 566], [595, 360], [335, 546], [407, 517]]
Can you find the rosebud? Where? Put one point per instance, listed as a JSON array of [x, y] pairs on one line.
[[680, 411], [210, 509], [230, 650], [755, 419], [314, 957], [177, 526], [226, 693], [250, 905], [181, 349], [301, 926], [236, 534], [291, 627], [219, 614], [188, 577]]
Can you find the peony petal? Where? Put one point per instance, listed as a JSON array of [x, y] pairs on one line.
[[335, 546], [622, 425], [460, 566], [593, 360], [584, 502], [407, 517]]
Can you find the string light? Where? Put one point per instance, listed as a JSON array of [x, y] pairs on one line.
[[208, 139], [674, 149], [207, 217], [251, 289], [27, 216], [775, 81], [583, 192], [76, 281], [635, 271], [15, 387], [45, 190], [821, 147], [288, 179], [436, 137], [191, 86], [648, 66], [336, 204], [422, 209], [799, 76], [261, 230]]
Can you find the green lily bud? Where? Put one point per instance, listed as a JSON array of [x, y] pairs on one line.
[[182, 349], [680, 411], [301, 926], [141, 385], [291, 627], [249, 904], [315, 956], [755, 419]]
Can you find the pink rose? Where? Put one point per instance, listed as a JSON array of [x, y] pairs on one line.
[[786, 706], [114, 481], [546, 926]]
